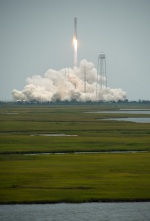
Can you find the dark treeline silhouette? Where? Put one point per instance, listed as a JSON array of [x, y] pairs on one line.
[[74, 102]]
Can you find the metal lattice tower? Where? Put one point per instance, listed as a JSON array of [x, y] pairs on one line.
[[101, 73], [84, 80]]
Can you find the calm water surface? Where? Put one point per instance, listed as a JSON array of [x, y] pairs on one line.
[[123, 111], [132, 119], [128, 111], [77, 212]]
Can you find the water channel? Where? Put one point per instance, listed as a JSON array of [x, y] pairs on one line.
[[123, 111], [127, 111], [132, 119], [138, 211]]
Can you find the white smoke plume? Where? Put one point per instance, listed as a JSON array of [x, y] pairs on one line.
[[80, 84]]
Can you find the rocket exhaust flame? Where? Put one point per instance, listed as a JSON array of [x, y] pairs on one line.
[[75, 42]]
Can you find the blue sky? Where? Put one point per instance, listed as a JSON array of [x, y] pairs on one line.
[[36, 35]]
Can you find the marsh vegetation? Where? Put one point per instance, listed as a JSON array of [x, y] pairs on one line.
[[70, 177]]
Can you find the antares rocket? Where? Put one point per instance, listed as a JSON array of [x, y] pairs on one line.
[[75, 42], [75, 27]]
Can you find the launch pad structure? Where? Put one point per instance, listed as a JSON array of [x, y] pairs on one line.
[[101, 70], [101, 73]]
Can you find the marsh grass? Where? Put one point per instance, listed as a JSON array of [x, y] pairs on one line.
[[35, 144], [75, 178], [92, 135], [71, 177]]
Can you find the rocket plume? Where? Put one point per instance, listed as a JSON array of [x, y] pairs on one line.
[[75, 46], [66, 85], [75, 42]]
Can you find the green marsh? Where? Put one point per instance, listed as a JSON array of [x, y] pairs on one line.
[[72, 177]]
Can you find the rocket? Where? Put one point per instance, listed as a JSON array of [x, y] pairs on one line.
[[75, 27], [75, 42]]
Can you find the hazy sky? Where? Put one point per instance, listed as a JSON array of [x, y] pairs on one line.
[[36, 35]]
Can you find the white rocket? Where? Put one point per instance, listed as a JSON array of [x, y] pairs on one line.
[[75, 27]]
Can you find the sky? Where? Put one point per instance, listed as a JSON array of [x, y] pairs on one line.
[[36, 35]]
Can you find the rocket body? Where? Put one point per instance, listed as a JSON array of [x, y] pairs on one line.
[[75, 27]]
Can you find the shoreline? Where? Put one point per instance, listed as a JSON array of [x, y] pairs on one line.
[[72, 152], [77, 202]]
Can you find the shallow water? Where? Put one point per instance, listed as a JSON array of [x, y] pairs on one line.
[[128, 111], [90, 152], [54, 135], [132, 119], [77, 212], [43, 135], [12, 113], [123, 111]]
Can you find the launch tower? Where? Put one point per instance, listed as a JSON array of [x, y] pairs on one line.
[[101, 71]]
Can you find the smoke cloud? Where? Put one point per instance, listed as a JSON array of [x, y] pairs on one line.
[[78, 83]]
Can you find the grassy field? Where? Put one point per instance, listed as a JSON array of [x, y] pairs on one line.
[[72, 177], [75, 177]]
